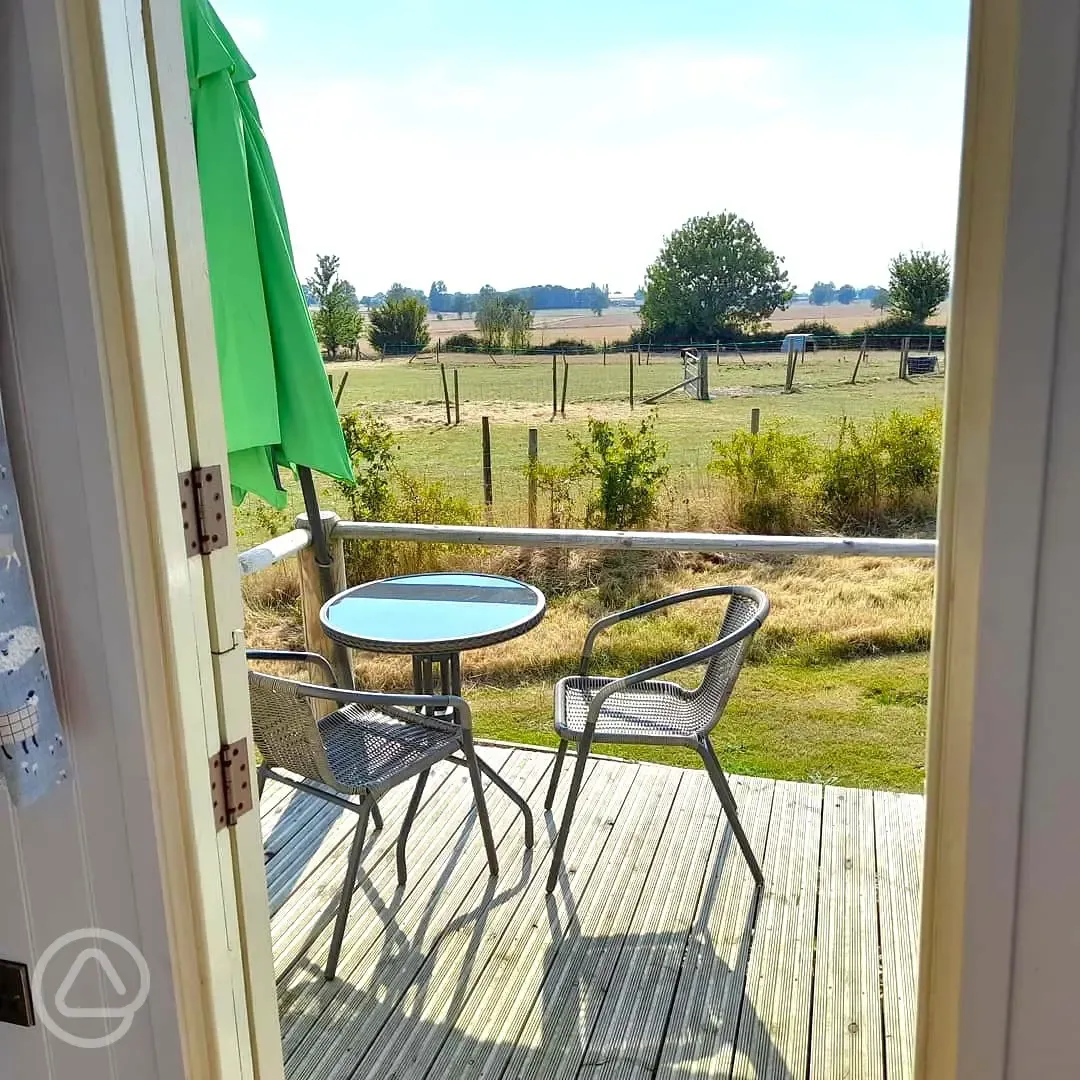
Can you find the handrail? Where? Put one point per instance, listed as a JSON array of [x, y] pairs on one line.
[[276, 549], [494, 536]]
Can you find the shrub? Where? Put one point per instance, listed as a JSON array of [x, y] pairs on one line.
[[769, 474], [556, 487], [818, 327], [372, 449], [461, 343], [628, 468], [399, 326], [421, 501], [888, 470], [565, 345]]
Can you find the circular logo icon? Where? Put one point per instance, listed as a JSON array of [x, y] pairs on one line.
[[99, 943]]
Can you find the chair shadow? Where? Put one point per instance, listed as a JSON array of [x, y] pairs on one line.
[[700, 1039]]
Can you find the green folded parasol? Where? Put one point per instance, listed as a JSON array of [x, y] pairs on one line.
[[278, 408]]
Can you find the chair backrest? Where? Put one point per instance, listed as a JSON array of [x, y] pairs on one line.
[[286, 732], [745, 605]]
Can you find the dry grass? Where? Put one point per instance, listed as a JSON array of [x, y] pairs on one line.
[[823, 610]]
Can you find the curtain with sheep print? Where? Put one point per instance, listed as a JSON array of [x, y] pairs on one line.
[[33, 757]]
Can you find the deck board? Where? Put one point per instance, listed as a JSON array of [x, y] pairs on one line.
[[898, 835], [699, 1037], [846, 1042], [654, 957]]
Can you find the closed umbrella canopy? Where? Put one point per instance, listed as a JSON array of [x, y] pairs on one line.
[[278, 406]]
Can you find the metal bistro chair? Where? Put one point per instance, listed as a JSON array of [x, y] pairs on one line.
[[374, 743], [641, 708]]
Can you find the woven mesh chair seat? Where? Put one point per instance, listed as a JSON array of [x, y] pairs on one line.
[[640, 714], [370, 751]]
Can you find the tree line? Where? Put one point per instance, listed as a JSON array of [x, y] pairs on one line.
[[535, 297]]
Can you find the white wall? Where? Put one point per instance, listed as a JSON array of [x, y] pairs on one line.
[[87, 855]]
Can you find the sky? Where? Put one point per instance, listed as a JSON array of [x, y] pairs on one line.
[[513, 143]]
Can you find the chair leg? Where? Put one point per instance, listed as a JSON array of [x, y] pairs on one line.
[[347, 891], [568, 812], [406, 825], [376, 817], [727, 800], [560, 757], [261, 781], [512, 795], [469, 751]]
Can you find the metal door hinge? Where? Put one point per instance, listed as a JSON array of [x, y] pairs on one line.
[[230, 783], [202, 505]]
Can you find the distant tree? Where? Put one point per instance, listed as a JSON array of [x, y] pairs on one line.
[[337, 321], [823, 292], [845, 294], [639, 295], [461, 304], [349, 291], [438, 297], [599, 300], [492, 318], [399, 325], [881, 300], [918, 283], [868, 292], [712, 275], [519, 324]]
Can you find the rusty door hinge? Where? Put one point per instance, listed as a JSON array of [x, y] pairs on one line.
[[202, 505], [230, 784]]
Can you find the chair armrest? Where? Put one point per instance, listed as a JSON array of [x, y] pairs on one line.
[[292, 657], [657, 671], [607, 621], [399, 705]]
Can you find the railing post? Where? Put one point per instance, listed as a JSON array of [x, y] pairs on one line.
[[316, 587]]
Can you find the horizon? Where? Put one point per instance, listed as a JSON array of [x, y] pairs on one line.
[[478, 145]]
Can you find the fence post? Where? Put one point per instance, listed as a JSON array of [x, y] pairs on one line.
[[312, 600], [457, 400], [485, 437], [534, 457], [605, 352], [859, 360], [905, 345], [718, 354], [703, 375], [755, 421], [554, 386], [445, 391], [630, 357], [565, 380]]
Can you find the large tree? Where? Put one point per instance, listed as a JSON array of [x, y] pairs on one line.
[[399, 326], [822, 293], [336, 319], [918, 283], [845, 294], [712, 277]]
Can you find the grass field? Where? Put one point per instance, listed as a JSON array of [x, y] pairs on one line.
[[836, 687], [516, 395]]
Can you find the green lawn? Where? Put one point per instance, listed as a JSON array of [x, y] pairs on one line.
[[517, 395], [858, 723]]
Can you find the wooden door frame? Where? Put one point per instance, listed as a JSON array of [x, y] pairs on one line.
[[157, 341], [1004, 344]]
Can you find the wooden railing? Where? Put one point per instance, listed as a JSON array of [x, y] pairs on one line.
[[298, 541]]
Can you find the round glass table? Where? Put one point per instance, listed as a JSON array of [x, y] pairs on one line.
[[435, 618]]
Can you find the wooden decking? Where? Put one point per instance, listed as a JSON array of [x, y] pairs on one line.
[[652, 958]]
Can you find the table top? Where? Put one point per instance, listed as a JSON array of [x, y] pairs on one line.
[[432, 614]]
